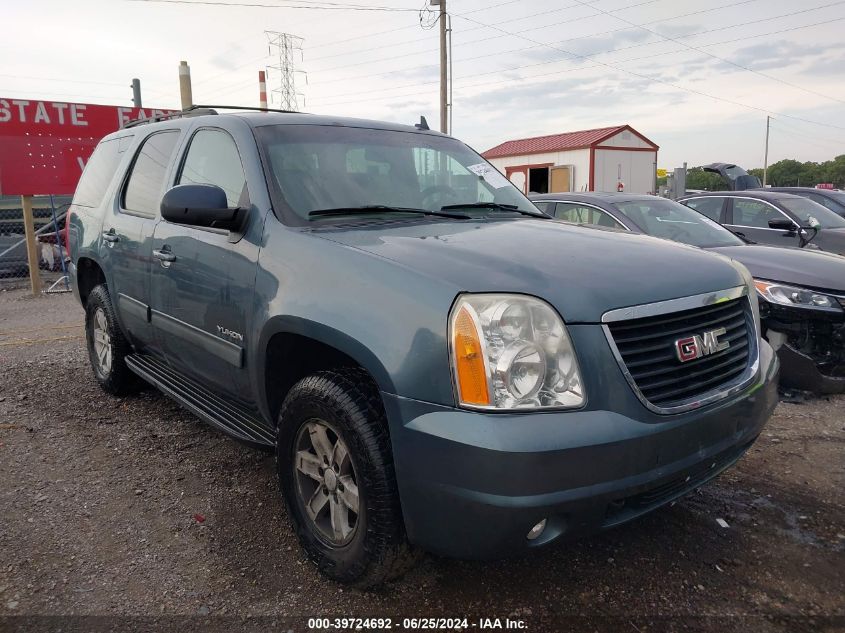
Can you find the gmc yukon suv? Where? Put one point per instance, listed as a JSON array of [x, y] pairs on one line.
[[436, 364]]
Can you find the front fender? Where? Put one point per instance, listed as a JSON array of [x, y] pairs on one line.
[[321, 333]]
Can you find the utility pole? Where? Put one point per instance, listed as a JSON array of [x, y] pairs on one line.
[[185, 85], [136, 93], [766, 156], [444, 95]]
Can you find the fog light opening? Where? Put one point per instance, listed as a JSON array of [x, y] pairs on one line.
[[537, 530]]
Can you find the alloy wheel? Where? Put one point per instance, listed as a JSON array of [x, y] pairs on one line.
[[102, 341], [326, 482]]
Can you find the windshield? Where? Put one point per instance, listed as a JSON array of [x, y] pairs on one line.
[[317, 168], [671, 220], [804, 208]]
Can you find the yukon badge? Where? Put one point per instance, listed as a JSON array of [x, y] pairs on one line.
[[692, 347], [235, 336]]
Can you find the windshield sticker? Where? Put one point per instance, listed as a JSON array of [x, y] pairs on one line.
[[490, 174]]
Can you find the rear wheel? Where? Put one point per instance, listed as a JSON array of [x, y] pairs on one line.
[[336, 471], [107, 347]]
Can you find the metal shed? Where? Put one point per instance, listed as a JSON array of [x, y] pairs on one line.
[[603, 159]]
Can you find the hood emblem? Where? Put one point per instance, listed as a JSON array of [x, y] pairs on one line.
[[692, 347]]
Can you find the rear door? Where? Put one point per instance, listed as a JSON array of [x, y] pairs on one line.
[[750, 217], [203, 279], [127, 234]]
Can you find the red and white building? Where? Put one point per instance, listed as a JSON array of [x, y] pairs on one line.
[[604, 159]]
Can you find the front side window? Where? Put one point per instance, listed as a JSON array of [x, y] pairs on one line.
[[709, 207], [673, 221], [754, 213], [144, 189], [582, 214], [213, 159], [805, 209], [318, 168]]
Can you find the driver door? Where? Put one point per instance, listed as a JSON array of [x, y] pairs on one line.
[[202, 278], [750, 218]]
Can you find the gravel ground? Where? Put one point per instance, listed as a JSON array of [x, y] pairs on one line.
[[133, 508]]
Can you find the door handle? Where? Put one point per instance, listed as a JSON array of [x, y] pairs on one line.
[[111, 236], [164, 255]]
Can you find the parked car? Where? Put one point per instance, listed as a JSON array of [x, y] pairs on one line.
[[833, 199], [801, 292], [434, 362], [772, 217]]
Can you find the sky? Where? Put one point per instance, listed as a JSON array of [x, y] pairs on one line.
[[698, 77]]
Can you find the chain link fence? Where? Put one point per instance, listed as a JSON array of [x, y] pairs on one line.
[[49, 221]]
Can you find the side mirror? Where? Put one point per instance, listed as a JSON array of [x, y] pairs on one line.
[[782, 224], [201, 205]]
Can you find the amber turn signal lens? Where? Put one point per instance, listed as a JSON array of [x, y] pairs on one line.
[[469, 361]]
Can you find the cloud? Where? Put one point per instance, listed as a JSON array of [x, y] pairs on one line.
[[228, 59]]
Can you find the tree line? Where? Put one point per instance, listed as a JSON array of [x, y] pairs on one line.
[[784, 173]]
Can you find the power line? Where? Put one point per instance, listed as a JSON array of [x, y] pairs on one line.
[[663, 81], [721, 59], [540, 28], [321, 7], [602, 64], [477, 28], [611, 50], [404, 28]]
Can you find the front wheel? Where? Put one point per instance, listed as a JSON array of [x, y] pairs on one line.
[[336, 471]]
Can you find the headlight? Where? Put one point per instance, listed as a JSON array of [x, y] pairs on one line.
[[796, 297], [512, 352]]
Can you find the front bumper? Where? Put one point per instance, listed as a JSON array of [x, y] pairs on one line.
[[472, 484]]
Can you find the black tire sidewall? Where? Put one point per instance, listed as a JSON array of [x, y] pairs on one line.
[[119, 380], [375, 527], [348, 556]]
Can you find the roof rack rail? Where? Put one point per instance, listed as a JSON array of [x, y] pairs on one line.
[[199, 110]]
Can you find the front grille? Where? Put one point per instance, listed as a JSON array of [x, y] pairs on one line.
[[647, 348]]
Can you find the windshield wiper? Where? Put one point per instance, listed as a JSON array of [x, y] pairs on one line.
[[381, 208], [493, 205]]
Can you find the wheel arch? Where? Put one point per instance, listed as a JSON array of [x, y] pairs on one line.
[[89, 274], [291, 348]]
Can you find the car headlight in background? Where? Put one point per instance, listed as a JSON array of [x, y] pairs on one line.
[[796, 297], [512, 352]]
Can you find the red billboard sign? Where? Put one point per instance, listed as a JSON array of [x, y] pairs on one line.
[[44, 145]]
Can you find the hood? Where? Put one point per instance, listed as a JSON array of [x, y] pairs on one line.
[[581, 271], [796, 266]]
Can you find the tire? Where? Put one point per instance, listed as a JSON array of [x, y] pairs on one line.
[[110, 370], [347, 405]]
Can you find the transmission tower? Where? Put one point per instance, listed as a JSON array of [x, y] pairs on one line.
[[282, 75]]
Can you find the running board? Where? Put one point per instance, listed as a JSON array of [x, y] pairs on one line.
[[232, 418]]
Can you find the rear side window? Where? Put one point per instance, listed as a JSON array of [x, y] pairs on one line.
[[582, 214], [709, 207], [213, 159], [143, 191], [98, 173]]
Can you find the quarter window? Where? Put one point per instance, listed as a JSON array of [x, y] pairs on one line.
[[708, 207], [754, 213], [146, 181], [213, 159], [98, 173]]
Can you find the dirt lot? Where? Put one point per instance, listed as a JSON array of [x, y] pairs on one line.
[[132, 507]]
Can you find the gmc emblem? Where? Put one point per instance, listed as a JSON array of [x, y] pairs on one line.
[[692, 347]]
